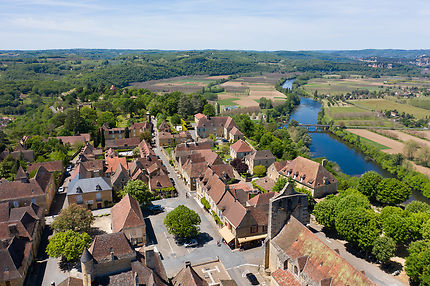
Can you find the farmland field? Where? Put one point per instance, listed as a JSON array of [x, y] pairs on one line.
[[186, 84], [386, 104]]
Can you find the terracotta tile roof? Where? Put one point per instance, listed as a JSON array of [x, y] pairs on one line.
[[199, 116], [235, 213], [240, 146], [164, 126], [120, 175], [143, 126], [71, 281], [122, 143], [102, 245], [52, 166], [112, 163], [285, 278], [260, 216], [81, 172], [43, 177], [21, 174], [313, 174], [280, 165], [317, 260], [261, 199], [160, 182], [94, 166], [187, 276], [235, 132], [224, 171], [73, 139], [261, 155], [151, 260], [165, 135], [266, 183], [17, 190], [145, 149], [4, 212], [242, 186], [194, 170], [187, 148], [13, 257], [126, 214]]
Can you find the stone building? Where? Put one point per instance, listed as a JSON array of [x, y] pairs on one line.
[[91, 193]]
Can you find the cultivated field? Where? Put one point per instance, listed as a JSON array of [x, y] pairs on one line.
[[394, 146], [354, 116], [388, 104], [186, 84]]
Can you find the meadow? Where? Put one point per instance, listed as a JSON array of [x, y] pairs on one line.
[[388, 104]]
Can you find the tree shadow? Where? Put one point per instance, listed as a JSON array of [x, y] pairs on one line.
[[204, 238], [67, 266], [96, 231], [391, 267]]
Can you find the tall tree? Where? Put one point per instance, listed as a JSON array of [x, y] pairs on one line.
[[138, 190], [74, 218], [383, 249], [182, 222], [68, 245], [368, 184], [392, 191]]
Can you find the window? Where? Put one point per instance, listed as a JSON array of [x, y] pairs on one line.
[[98, 197], [254, 229], [285, 264], [79, 199], [33, 201], [296, 270], [15, 204]]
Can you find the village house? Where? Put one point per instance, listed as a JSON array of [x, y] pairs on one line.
[[296, 256], [275, 168], [24, 190], [112, 164], [169, 139], [127, 218], [92, 193], [259, 158], [72, 140], [202, 274], [20, 235], [89, 153], [122, 143], [135, 130], [111, 260], [240, 149], [120, 178], [51, 167], [310, 175], [20, 153], [220, 126]]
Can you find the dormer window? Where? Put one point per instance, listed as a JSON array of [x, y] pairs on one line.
[[79, 190], [98, 188]]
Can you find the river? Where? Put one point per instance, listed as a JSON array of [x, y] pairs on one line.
[[350, 160]]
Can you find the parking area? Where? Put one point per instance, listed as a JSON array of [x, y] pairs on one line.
[[174, 255]]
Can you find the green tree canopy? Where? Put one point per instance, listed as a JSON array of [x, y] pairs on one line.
[[74, 218], [138, 190], [426, 230], [392, 191], [384, 248], [260, 171], [418, 261], [279, 184], [416, 222], [182, 222], [416, 206], [209, 110], [368, 184], [324, 211], [396, 227], [68, 245], [359, 226], [352, 201]]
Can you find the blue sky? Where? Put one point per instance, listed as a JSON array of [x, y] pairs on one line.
[[215, 24]]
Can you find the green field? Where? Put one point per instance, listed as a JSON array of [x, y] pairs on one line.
[[342, 86], [422, 102], [228, 101], [386, 104], [355, 116], [373, 144]]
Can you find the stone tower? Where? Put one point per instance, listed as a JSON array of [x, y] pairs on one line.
[[87, 264], [287, 203]]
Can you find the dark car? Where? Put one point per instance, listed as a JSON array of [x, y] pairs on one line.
[[173, 181], [252, 279], [156, 208]]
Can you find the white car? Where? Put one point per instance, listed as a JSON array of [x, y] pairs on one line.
[[60, 189], [191, 243]]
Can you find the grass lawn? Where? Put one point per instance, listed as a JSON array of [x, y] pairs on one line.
[[373, 144], [386, 104], [228, 101]]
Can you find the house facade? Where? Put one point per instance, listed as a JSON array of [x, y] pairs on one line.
[[91, 193]]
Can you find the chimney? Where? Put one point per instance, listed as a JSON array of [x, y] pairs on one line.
[[13, 229], [337, 250], [324, 162], [187, 264], [112, 256]]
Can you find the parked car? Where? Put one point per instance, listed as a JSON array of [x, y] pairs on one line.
[[69, 168], [252, 279], [156, 208], [191, 243], [60, 189], [173, 181]]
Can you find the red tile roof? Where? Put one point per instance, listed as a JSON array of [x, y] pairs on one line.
[[52, 166], [102, 245], [112, 163], [240, 146], [285, 278], [126, 214]]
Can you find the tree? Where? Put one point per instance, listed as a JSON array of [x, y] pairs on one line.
[[324, 211], [359, 226], [423, 156], [383, 249], [368, 184], [68, 245], [209, 110], [426, 230], [240, 167], [147, 136], [182, 222], [416, 206], [138, 190], [396, 227], [418, 261], [352, 201], [416, 223], [260, 171], [279, 184], [410, 147], [74, 218], [108, 118], [392, 191]]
